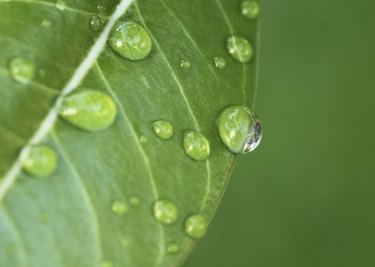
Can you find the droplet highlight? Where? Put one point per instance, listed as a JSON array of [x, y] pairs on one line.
[[89, 110], [22, 70], [172, 248], [119, 207], [240, 49], [250, 9], [61, 5], [196, 145], [162, 129], [185, 64], [239, 129], [196, 226], [165, 212], [96, 23], [130, 40], [219, 62], [41, 161]]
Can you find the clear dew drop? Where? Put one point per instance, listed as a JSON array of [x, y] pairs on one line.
[[134, 201], [172, 248], [240, 49], [162, 129], [239, 129], [185, 64], [196, 226], [61, 4], [22, 70], [165, 212], [143, 139], [100, 7], [88, 110], [95, 22], [250, 9], [119, 207], [130, 40], [41, 161], [219, 62], [196, 145]]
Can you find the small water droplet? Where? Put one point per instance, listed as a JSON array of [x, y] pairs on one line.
[[100, 7], [96, 23], [41, 161], [163, 129], [196, 145], [130, 40], [173, 248], [61, 4], [46, 23], [250, 9], [239, 129], [143, 139], [89, 110], [240, 49], [106, 264], [196, 226], [119, 207], [22, 70], [219, 62], [134, 200], [185, 64], [165, 212]]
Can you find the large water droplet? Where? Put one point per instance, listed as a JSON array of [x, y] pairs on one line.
[[130, 40], [239, 129], [41, 162], [89, 110], [61, 4], [96, 23], [185, 64], [165, 212], [196, 226], [196, 145], [22, 70], [119, 207], [250, 9], [163, 129], [173, 248], [240, 49], [219, 62]]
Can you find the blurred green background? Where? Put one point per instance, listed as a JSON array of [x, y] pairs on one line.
[[306, 196]]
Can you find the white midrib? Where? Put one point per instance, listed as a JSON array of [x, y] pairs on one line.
[[49, 121]]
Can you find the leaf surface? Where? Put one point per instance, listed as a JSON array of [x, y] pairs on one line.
[[66, 219]]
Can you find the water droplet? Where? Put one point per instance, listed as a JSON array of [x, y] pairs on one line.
[[163, 129], [185, 64], [239, 129], [106, 264], [61, 4], [22, 70], [165, 212], [143, 139], [130, 40], [95, 23], [196, 226], [219, 62], [250, 9], [89, 110], [100, 7], [46, 23], [41, 162], [173, 248], [134, 200], [119, 207], [240, 49], [196, 145]]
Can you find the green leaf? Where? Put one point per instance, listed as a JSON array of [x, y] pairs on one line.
[[67, 219]]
